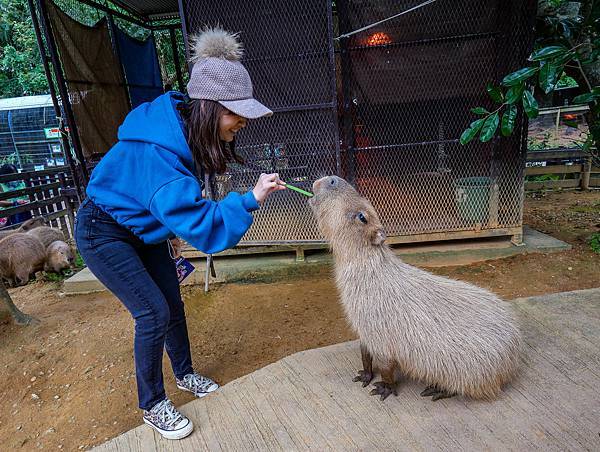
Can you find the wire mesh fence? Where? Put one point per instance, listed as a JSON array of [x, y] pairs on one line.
[[383, 108], [29, 137], [289, 54]]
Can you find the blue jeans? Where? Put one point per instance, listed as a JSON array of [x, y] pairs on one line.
[[144, 278]]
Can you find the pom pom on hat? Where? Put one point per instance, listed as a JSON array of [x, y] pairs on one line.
[[217, 43]]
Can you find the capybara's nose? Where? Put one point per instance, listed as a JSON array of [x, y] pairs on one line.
[[317, 183]]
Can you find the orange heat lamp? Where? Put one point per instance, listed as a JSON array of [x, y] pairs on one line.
[[569, 117], [378, 39]]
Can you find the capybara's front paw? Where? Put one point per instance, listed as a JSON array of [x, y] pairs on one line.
[[384, 389], [364, 376]]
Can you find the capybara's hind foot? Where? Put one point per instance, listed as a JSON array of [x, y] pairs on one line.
[[384, 389], [436, 392], [364, 376]]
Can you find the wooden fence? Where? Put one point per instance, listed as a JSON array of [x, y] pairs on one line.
[[575, 167], [50, 194]]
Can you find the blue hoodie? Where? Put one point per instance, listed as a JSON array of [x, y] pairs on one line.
[[148, 184]]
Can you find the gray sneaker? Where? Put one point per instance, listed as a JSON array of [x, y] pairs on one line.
[[197, 384], [166, 420]]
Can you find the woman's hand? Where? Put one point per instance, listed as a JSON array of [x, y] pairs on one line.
[[267, 183]]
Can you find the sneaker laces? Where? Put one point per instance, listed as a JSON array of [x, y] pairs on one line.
[[167, 413], [197, 382]]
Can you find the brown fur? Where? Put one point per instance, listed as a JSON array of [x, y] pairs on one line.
[[59, 256], [21, 255], [47, 235], [461, 338], [28, 225]]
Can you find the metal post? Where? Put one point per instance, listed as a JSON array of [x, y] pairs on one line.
[[334, 100], [176, 59], [586, 171], [184, 30], [153, 36], [115, 45], [62, 89], [57, 112], [348, 137]]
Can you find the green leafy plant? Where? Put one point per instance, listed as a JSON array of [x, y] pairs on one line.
[[21, 70], [79, 261], [568, 38], [542, 177], [595, 242], [15, 159]]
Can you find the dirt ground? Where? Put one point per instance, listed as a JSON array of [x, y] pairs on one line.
[[69, 382]]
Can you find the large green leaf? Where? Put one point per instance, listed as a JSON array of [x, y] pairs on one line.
[[479, 111], [495, 93], [549, 74], [489, 127], [519, 76], [530, 105], [547, 52], [515, 93], [586, 98], [471, 131], [508, 120], [564, 59]]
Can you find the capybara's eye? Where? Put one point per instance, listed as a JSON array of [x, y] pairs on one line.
[[361, 217], [333, 182]]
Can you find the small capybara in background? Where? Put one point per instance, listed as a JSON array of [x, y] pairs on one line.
[[59, 256], [28, 225], [47, 235], [20, 256], [455, 337]]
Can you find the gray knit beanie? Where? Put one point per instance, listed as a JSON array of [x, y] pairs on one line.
[[218, 75]]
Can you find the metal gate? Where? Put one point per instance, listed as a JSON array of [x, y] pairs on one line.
[[404, 90]]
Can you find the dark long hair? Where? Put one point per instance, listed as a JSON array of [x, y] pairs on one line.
[[201, 119]]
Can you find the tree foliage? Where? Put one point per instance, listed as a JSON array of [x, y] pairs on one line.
[[568, 35], [21, 70]]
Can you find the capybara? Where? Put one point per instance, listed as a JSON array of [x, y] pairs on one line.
[[59, 256], [20, 256], [28, 225], [455, 337], [47, 235]]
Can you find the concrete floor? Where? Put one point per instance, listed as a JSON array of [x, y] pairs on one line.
[[307, 401], [277, 265]]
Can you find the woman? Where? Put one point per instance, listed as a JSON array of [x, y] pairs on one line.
[[148, 189]]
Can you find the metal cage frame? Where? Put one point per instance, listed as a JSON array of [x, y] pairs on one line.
[[337, 109]]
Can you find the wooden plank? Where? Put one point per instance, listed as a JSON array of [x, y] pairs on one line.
[[453, 235], [28, 191], [34, 174], [539, 156], [190, 252], [569, 183], [32, 206], [553, 169], [594, 181]]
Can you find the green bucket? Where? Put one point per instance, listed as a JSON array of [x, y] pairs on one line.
[[473, 198]]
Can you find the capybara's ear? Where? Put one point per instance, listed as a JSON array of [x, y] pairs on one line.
[[378, 237]]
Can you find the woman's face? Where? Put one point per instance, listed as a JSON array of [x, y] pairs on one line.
[[229, 124]]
